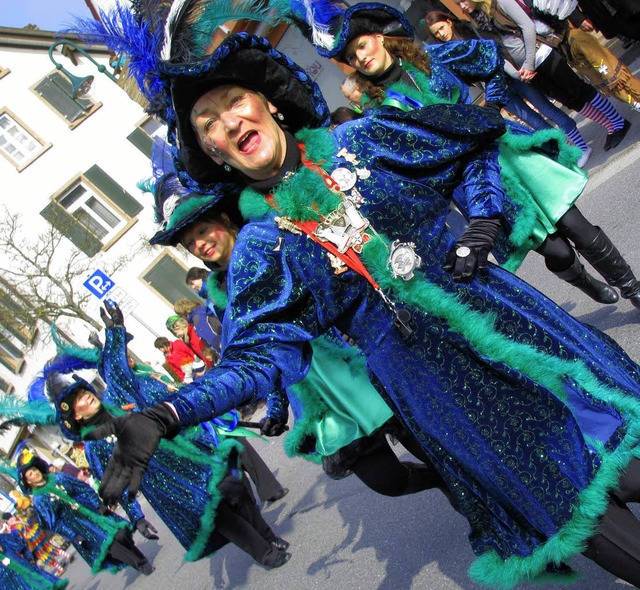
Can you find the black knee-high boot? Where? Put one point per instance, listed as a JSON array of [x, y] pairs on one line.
[[606, 259], [578, 276]]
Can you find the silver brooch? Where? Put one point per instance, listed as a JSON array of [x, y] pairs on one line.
[[403, 260], [345, 178]]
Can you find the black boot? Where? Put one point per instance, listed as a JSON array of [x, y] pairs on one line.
[[606, 259], [578, 276]]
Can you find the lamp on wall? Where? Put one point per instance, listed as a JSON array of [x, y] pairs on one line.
[[79, 86]]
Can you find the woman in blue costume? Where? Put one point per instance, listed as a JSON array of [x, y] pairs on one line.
[[530, 417], [539, 211], [196, 494], [72, 508], [346, 433], [18, 570]]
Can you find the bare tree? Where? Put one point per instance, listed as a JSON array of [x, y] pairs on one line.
[[42, 278]]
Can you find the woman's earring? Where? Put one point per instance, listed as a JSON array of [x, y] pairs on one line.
[[227, 168], [279, 116]]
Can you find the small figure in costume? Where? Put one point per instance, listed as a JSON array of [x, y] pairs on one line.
[[18, 570], [72, 508]]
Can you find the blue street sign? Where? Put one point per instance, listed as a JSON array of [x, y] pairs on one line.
[[99, 284]]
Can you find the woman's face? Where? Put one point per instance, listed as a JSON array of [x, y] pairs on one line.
[[34, 477], [368, 55], [235, 126], [210, 241], [467, 6], [442, 31], [86, 405]]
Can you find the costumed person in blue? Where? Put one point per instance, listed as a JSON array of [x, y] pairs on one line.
[[72, 508], [18, 570], [345, 432], [529, 416], [195, 492], [539, 212]]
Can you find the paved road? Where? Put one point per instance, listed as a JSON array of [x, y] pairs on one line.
[[345, 537]]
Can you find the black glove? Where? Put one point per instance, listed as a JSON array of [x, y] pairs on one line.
[[139, 434], [146, 529], [111, 314], [469, 254], [272, 427]]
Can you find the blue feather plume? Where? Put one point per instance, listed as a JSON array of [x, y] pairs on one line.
[[121, 32]]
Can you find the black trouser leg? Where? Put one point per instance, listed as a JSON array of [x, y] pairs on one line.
[[124, 549], [245, 528], [616, 546], [384, 473], [266, 483], [629, 487]]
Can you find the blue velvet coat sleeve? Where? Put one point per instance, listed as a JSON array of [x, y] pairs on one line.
[[475, 60]]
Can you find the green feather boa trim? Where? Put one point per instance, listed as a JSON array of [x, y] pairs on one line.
[[425, 96], [479, 328], [32, 578], [215, 293], [109, 526], [219, 470]]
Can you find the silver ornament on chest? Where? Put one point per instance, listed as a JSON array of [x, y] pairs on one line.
[[344, 227], [403, 260]]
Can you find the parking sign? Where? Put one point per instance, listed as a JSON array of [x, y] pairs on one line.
[[99, 284]]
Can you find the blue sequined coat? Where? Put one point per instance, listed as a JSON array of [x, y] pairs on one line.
[[71, 508], [539, 189], [19, 572], [520, 407], [181, 481]]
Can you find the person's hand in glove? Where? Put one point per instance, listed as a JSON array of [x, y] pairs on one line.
[[272, 427], [111, 314], [139, 434], [146, 529], [469, 254]]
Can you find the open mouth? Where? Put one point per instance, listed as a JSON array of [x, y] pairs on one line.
[[249, 142]]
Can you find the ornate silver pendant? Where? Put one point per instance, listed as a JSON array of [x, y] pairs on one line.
[[345, 178], [403, 260]]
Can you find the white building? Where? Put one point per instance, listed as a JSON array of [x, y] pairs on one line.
[[74, 164]]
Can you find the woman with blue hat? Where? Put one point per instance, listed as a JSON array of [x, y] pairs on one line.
[[528, 415], [539, 208]]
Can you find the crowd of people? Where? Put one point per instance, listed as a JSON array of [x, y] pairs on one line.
[[330, 260]]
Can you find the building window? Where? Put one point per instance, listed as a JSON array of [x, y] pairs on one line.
[[4, 72], [17, 142], [16, 330], [142, 136], [93, 211], [5, 387], [11, 355], [55, 89], [166, 277]]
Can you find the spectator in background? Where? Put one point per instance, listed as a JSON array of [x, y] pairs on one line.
[[203, 320], [178, 358], [197, 280], [181, 329]]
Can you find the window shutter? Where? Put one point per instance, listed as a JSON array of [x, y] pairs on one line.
[[56, 90], [113, 190], [167, 277], [69, 227], [142, 141]]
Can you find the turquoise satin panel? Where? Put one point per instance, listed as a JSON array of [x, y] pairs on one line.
[[553, 187], [355, 408]]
